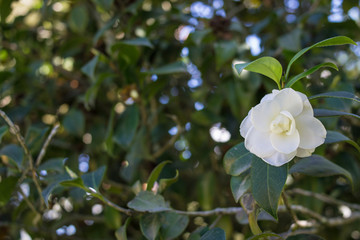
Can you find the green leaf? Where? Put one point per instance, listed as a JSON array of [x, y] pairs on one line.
[[3, 131], [14, 153], [112, 217], [224, 51], [340, 40], [138, 42], [120, 233], [35, 137], [265, 235], [106, 27], [334, 137], [75, 182], [74, 122], [332, 113], [150, 225], [214, 234], [46, 192], [267, 183], [319, 166], [147, 201], [5, 10], [237, 160], [267, 66], [7, 187], [126, 126], [198, 36], [296, 78], [166, 182], [304, 237], [155, 174], [54, 164], [93, 179], [78, 19], [340, 94], [172, 225], [89, 68], [239, 185], [176, 67]]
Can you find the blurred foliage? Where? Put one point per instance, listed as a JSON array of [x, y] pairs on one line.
[[134, 83]]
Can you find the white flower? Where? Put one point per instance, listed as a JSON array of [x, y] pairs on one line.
[[281, 127]]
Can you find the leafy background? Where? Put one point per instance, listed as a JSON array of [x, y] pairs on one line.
[[134, 83]]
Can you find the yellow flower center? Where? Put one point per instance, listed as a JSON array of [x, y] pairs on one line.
[[283, 123]]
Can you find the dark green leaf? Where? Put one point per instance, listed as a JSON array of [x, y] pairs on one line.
[[75, 182], [267, 66], [237, 160], [138, 42], [93, 179], [291, 41], [319, 166], [89, 68], [293, 80], [267, 183], [5, 9], [340, 40], [199, 35], [177, 67], [242, 217], [74, 122], [334, 137], [332, 113], [54, 185], [54, 164], [78, 19], [340, 94], [214, 234], [15, 153], [172, 225], [147, 201], [150, 225], [35, 137], [106, 27], [112, 217], [265, 236], [7, 187], [304, 237], [3, 131], [239, 185], [126, 127], [155, 174], [224, 51], [120, 234], [166, 182]]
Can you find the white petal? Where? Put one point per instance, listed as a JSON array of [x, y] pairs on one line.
[[285, 143], [289, 101], [270, 96], [263, 113], [301, 152], [258, 143], [245, 125], [312, 131], [278, 159]]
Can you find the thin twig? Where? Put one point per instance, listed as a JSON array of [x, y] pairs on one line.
[[127, 211], [213, 224], [15, 131], [288, 207], [323, 197], [28, 202], [46, 144]]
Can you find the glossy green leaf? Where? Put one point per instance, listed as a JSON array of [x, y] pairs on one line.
[[74, 122], [340, 94], [155, 174], [147, 201], [138, 42], [7, 187], [89, 68], [340, 40], [3, 131], [265, 235], [78, 19], [172, 225], [335, 137], [240, 185], [120, 233], [332, 113], [319, 166], [127, 126], [214, 234], [267, 66], [267, 183], [93, 179], [166, 182], [15, 153], [304, 237], [177, 67], [298, 77], [150, 224], [237, 160]]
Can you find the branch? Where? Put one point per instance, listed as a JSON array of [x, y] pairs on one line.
[[288, 207], [323, 197], [46, 144]]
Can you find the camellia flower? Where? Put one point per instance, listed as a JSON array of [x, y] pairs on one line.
[[281, 127]]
